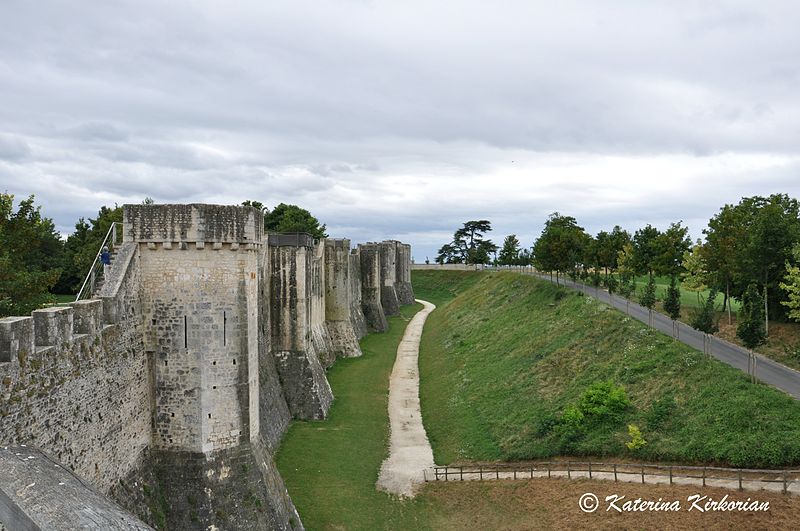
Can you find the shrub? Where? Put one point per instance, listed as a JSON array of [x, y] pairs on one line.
[[603, 401], [637, 441], [703, 318]]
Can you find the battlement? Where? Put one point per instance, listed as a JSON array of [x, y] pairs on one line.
[[192, 223], [290, 239], [58, 326]]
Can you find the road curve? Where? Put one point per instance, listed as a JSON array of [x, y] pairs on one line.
[[410, 453]]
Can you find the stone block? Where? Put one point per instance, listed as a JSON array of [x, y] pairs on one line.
[[87, 317], [52, 326], [16, 336]]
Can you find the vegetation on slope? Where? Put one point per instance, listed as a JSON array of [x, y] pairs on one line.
[[511, 367]]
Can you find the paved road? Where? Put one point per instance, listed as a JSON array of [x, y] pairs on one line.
[[768, 371], [410, 453]]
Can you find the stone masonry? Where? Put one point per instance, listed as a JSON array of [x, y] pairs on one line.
[[171, 390]]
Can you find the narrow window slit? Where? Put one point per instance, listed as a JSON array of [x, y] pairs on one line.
[[224, 328], [185, 333]]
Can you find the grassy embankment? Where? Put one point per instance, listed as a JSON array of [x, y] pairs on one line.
[[508, 354]]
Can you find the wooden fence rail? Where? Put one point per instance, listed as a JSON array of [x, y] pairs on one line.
[[607, 470]]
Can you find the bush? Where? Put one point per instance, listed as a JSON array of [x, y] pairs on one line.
[[637, 441], [603, 401]]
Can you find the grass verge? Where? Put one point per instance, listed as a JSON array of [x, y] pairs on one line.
[[508, 355]]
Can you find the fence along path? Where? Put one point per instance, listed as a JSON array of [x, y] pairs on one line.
[[786, 481], [768, 371]]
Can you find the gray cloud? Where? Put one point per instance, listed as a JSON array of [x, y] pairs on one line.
[[403, 119]]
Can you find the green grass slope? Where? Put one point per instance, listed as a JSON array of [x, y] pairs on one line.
[[506, 355]]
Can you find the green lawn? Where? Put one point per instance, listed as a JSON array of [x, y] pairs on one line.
[[508, 354], [330, 467], [689, 299]]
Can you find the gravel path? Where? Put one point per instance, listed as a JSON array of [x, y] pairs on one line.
[[410, 453]]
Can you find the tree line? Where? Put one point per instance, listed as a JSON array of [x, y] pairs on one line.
[[750, 252], [37, 263]]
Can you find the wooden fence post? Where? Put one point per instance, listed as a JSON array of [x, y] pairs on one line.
[[590, 470], [569, 473], [480, 471], [642, 474], [740, 479], [704, 476], [785, 486], [461, 471], [670, 475], [615, 472]]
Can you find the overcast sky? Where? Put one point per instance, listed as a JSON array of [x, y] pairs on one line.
[[403, 119]]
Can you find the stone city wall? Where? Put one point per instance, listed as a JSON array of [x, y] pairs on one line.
[[170, 391]]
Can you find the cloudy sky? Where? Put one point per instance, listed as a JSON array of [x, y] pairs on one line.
[[403, 119]]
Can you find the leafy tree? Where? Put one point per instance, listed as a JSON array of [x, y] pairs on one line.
[[751, 328], [791, 285], [770, 238], [672, 302], [469, 245], [648, 297], [694, 276], [608, 246], [561, 246], [30, 252], [510, 253], [291, 218], [725, 238], [671, 245], [646, 250], [703, 318]]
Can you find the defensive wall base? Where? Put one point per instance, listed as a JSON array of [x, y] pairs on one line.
[[405, 292], [374, 315], [357, 318], [388, 257], [237, 488]]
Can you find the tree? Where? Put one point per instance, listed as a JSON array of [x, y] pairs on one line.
[[670, 246], [608, 246], [646, 250], [469, 245], [703, 318], [672, 302], [30, 252], [725, 236], [291, 218], [561, 246], [510, 253], [751, 329], [770, 238], [694, 276], [791, 285], [648, 298]]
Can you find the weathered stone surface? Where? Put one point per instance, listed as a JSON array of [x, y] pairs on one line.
[[405, 292], [39, 493], [389, 300], [192, 223], [370, 255], [357, 318], [301, 374], [337, 299], [85, 399], [236, 488]]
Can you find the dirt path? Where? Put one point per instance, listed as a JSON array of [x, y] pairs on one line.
[[410, 453]]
